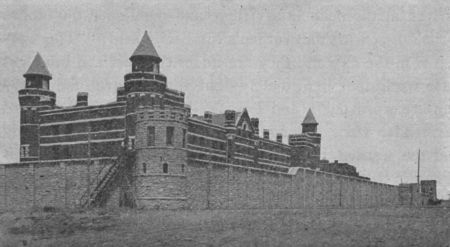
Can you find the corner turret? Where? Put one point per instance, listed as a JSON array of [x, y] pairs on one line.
[[36, 96]]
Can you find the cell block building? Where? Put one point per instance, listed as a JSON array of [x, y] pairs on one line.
[[147, 149]]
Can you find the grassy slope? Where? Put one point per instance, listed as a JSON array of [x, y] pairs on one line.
[[320, 227]]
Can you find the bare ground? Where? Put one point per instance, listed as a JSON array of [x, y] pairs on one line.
[[310, 227]]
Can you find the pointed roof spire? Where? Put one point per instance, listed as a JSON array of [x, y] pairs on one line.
[[309, 118], [146, 48], [38, 67]]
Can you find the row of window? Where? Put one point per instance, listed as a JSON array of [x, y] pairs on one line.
[[170, 130], [201, 141], [93, 126], [84, 114], [165, 168]]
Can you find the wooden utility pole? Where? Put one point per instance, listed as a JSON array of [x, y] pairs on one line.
[[88, 167], [418, 173]]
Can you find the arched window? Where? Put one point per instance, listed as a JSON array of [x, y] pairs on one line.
[[144, 168], [165, 168]]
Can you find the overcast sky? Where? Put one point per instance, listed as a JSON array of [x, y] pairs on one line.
[[375, 73]]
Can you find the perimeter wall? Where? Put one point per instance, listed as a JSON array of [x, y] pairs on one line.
[[225, 186], [206, 186], [54, 184]]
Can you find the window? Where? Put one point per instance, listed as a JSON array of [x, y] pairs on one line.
[[182, 168], [169, 135], [45, 84], [131, 143], [24, 151], [165, 168], [151, 136], [184, 137], [144, 168]]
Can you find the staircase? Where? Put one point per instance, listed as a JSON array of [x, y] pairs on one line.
[[113, 177]]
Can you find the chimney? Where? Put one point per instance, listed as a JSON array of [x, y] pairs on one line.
[[207, 116], [279, 138], [255, 124], [82, 99], [121, 94], [266, 134], [230, 118]]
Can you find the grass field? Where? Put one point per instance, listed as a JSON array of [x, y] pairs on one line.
[[318, 227]]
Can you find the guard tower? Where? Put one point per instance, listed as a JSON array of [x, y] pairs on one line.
[[157, 131], [35, 97], [306, 146]]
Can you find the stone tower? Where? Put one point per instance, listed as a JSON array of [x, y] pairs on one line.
[[35, 97], [159, 128], [306, 146]]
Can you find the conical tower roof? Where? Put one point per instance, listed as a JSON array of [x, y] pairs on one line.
[[146, 48], [309, 118], [38, 67]]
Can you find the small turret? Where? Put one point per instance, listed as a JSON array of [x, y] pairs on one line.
[[145, 58], [309, 124], [37, 75]]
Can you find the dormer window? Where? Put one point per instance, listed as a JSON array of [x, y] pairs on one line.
[[244, 126]]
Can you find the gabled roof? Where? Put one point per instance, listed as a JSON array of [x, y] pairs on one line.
[[219, 119], [146, 48], [309, 118], [244, 117], [38, 67]]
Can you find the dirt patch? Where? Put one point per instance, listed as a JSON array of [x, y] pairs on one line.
[[60, 223]]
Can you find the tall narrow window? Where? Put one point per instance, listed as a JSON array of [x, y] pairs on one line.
[[165, 168], [182, 168], [144, 168], [151, 136], [169, 135], [229, 147], [184, 137]]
